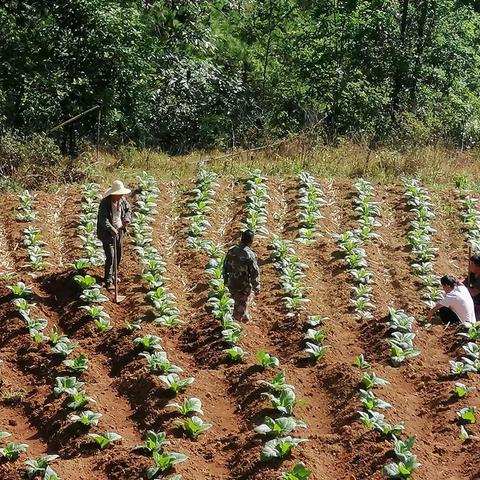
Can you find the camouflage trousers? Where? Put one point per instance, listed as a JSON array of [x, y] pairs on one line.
[[240, 308]]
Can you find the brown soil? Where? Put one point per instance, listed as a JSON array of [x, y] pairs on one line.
[[132, 400]]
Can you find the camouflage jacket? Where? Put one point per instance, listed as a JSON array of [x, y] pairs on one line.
[[240, 269], [104, 219]]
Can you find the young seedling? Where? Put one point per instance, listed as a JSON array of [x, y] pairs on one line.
[[103, 325], [154, 442], [87, 418], [370, 380], [78, 400], [193, 426], [235, 354], [39, 465], [11, 451], [461, 390], [299, 472], [77, 365], [20, 290], [280, 426], [50, 474], [277, 383], [467, 415], [266, 360], [158, 362], [279, 447], [190, 405], [316, 351], [360, 362], [149, 342], [106, 439], [285, 402], [164, 462], [174, 383], [131, 327]]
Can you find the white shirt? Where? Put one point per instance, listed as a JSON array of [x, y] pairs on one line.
[[461, 303]]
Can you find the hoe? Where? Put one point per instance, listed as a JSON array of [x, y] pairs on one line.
[[117, 298]]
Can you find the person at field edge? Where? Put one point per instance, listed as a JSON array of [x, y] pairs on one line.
[[456, 305], [241, 275], [114, 215], [473, 280]]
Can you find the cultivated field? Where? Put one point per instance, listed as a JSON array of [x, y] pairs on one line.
[[327, 296]]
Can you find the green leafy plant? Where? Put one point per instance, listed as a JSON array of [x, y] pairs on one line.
[[158, 362], [149, 342], [85, 281], [461, 390], [154, 442], [370, 380], [277, 384], [68, 385], [11, 451], [77, 365], [193, 426], [316, 351], [93, 295], [189, 405], [39, 465], [266, 360], [20, 290], [50, 474], [106, 439], [87, 418], [103, 325], [174, 383], [285, 402], [131, 327], [78, 400], [279, 426], [299, 472], [467, 415], [360, 362], [235, 354], [164, 462], [279, 447]]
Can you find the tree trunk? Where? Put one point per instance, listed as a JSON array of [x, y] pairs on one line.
[[398, 79], [421, 41]]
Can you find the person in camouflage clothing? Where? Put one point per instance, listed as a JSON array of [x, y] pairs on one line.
[[241, 275]]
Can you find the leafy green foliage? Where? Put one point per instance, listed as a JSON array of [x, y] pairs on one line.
[[193, 426], [279, 426], [299, 472], [154, 442], [189, 405], [87, 418], [266, 360], [280, 447], [39, 465], [11, 451], [164, 462], [106, 439]]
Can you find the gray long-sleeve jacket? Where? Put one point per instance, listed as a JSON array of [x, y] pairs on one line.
[[104, 219]]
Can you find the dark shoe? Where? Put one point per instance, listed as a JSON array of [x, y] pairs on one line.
[[109, 286]]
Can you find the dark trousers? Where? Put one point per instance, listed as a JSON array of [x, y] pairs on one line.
[[108, 249], [447, 315]]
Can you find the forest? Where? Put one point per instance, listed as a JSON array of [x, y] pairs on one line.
[[179, 75]]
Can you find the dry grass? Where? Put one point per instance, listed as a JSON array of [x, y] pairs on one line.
[[437, 166]]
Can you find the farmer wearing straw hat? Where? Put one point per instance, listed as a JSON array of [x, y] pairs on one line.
[[112, 222]]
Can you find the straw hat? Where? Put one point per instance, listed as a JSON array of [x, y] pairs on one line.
[[117, 188]]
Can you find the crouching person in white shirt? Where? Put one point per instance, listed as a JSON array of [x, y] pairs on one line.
[[456, 305]]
